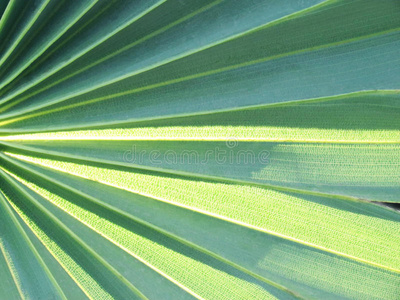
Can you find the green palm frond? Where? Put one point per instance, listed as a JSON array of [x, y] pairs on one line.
[[209, 149]]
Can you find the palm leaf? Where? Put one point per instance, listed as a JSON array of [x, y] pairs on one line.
[[210, 149]]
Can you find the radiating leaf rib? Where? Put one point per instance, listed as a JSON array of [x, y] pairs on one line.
[[64, 17], [367, 117], [188, 9], [113, 118], [259, 204], [346, 170], [88, 28], [34, 9], [368, 171], [99, 191], [358, 31], [3, 7], [8, 274], [148, 219], [172, 256], [89, 270], [8, 287], [184, 23], [13, 12], [232, 89], [23, 260], [262, 242], [69, 287], [132, 270], [30, 35]]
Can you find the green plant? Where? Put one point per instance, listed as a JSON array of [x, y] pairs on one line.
[[173, 149]]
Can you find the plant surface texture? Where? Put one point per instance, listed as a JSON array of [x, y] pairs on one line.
[[199, 149]]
